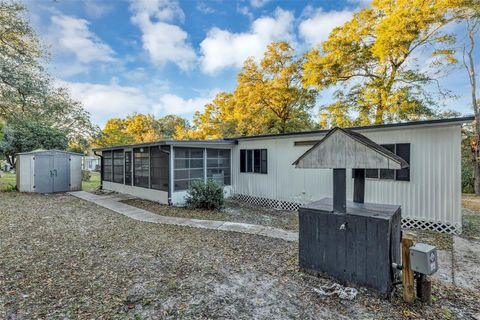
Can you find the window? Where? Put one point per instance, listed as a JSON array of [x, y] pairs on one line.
[[403, 151], [141, 164], [188, 167], [128, 168], [118, 166], [218, 165], [158, 169], [107, 165], [388, 174], [253, 160]]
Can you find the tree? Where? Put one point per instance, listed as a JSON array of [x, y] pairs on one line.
[[273, 90], [269, 98], [137, 128], [27, 91], [371, 59], [468, 12], [169, 124], [217, 120], [26, 136]]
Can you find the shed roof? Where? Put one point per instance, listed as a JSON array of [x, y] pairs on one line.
[[342, 148], [38, 151]]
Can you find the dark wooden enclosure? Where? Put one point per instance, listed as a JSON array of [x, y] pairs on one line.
[[357, 247]]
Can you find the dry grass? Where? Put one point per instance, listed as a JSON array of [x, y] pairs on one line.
[[62, 257]]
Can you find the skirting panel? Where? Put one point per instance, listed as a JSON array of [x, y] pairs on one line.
[[407, 223]]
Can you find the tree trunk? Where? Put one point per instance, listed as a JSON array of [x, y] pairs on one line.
[[470, 66], [477, 177]]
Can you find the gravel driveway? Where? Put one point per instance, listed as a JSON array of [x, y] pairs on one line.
[[62, 257]]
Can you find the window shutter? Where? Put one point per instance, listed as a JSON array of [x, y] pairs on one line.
[[242, 160], [403, 151], [264, 161]]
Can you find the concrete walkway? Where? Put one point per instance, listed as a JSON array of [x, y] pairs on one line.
[[461, 265], [113, 203]]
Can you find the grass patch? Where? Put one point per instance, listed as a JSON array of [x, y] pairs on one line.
[[471, 217], [94, 182], [8, 181], [442, 241]]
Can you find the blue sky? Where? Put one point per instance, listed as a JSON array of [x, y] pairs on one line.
[[172, 57]]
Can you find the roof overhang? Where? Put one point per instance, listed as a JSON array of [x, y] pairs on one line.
[[379, 127], [185, 143]]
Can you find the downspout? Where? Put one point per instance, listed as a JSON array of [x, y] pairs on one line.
[[101, 168]]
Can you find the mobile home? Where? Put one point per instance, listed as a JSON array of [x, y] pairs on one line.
[[259, 170]]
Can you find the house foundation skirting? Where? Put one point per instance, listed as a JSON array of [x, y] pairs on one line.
[[407, 223]]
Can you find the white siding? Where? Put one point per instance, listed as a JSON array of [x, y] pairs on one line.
[[432, 194]]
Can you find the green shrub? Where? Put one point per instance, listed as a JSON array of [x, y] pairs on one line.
[[86, 175], [205, 195], [468, 178]]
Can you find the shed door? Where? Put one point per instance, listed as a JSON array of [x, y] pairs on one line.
[[43, 173], [61, 172]]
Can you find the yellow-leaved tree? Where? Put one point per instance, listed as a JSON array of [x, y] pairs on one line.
[[138, 128], [371, 58], [269, 98]]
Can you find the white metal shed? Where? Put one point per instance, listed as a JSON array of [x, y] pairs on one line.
[[47, 171]]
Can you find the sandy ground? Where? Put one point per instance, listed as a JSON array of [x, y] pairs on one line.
[[66, 258]]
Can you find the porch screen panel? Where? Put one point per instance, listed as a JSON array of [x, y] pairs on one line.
[[107, 165], [188, 167], [158, 169], [218, 166], [128, 168], [118, 169], [141, 167]]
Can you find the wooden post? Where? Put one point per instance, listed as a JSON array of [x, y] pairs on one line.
[[424, 289], [407, 272], [359, 185], [340, 190]]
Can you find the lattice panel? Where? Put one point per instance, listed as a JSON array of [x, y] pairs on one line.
[[407, 223], [443, 227], [269, 203]]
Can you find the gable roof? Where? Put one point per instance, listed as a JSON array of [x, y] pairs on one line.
[[343, 148]]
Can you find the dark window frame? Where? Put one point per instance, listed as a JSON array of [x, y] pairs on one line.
[[128, 162], [138, 167], [254, 161], [391, 174], [107, 162], [118, 168], [159, 168]]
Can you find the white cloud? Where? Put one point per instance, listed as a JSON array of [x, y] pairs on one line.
[[105, 101], [222, 49], [318, 26], [164, 42], [96, 9], [204, 8], [259, 3], [72, 35], [173, 104]]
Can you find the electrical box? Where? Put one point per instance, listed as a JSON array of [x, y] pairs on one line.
[[423, 258]]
